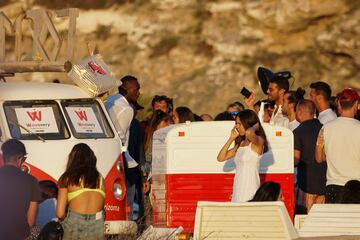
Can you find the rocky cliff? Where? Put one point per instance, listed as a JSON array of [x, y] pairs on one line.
[[202, 52]]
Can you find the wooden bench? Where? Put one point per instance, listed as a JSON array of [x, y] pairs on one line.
[[331, 220], [253, 220]]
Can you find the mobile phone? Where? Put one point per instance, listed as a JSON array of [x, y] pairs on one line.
[[245, 92]]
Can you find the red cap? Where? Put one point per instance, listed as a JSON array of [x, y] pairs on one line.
[[348, 94]]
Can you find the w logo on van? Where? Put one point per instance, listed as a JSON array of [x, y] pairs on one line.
[[81, 115], [36, 115]]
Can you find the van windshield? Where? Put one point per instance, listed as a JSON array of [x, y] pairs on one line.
[[86, 119], [35, 119]]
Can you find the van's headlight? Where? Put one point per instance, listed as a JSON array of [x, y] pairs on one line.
[[118, 189]]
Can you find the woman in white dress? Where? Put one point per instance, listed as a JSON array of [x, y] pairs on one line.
[[250, 143]]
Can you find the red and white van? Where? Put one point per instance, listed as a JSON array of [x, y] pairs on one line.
[[185, 169], [50, 119]]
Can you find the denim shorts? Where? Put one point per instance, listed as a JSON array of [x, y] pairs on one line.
[[79, 226]]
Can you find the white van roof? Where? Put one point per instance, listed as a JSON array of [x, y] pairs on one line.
[[39, 91]]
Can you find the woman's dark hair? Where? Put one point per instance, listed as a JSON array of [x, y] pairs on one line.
[[295, 96], [268, 191], [351, 194], [185, 114], [155, 120], [81, 167], [197, 118], [48, 189], [249, 118], [224, 116]]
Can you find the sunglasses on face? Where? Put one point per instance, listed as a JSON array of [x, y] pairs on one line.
[[23, 158], [234, 113]]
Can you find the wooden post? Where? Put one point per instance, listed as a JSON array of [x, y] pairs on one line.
[[31, 66], [18, 36], [42, 26], [72, 13], [5, 24], [54, 34], [37, 17]]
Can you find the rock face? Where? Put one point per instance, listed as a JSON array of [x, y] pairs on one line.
[[201, 52]]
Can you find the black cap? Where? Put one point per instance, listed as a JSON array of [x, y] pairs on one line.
[[266, 75], [13, 147]]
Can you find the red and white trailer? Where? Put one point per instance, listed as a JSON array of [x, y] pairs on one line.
[[185, 169]]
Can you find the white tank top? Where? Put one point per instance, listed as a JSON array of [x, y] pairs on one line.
[[247, 179]]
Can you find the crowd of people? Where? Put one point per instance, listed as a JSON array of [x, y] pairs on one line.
[[326, 140], [326, 157]]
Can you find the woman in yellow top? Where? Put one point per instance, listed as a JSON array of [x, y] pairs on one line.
[[82, 193]]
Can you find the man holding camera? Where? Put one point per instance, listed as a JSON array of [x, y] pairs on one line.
[[277, 88]]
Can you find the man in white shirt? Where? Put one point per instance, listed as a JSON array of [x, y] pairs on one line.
[[320, 94], [121, 114], [119, 108], [338, 143], [278, 87]]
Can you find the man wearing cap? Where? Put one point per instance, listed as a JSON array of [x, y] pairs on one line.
[[19, 193], [121, 113], [338, 144]]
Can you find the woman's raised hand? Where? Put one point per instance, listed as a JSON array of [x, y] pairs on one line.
[[234, 133], [226, 153]]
